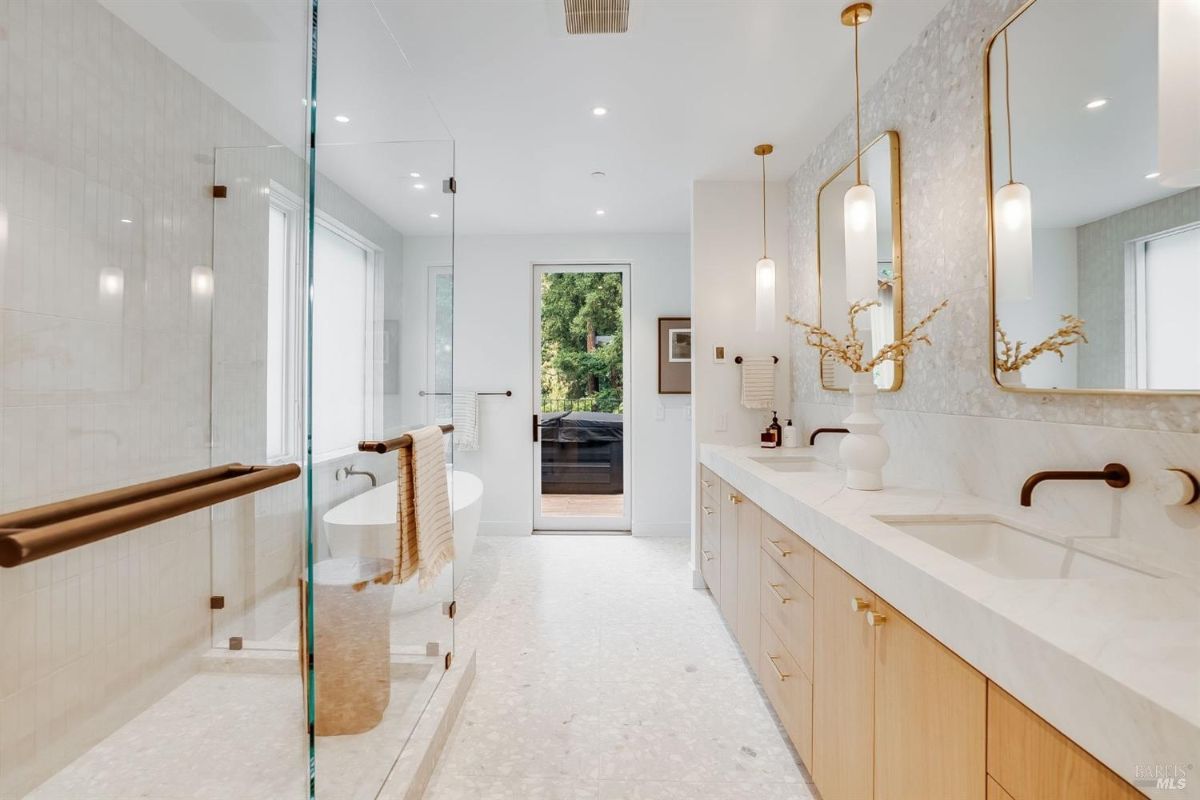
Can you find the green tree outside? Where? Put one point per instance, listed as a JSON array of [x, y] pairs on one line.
[[582, 342]]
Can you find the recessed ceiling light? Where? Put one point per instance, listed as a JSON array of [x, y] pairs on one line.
[[1099, 102], [414, 174], [342, 118], [127, 220], [434, 215], [1152, 175], [418, 186], [599, 212], [599, 111]]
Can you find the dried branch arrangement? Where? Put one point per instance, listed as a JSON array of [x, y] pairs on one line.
[[1011, 357], [848, 349]]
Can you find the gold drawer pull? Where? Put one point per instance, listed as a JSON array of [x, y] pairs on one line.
[[707, 555], [783, 676], [708, 512], [875, 619], [706, 484], [858, 604], [733, 498], [782, 597], [782, 552]]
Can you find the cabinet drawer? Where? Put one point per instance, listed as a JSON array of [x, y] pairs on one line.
[[789, 610], [710, 487], [710, 568], [789, 691], [1031, 760], [789, 551], [710, 523]]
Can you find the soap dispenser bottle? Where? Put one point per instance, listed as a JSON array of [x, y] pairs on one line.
[[791, 436], [776, 429]]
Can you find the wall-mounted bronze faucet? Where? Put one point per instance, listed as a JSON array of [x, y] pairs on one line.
[[812, 439], [1115, 475]]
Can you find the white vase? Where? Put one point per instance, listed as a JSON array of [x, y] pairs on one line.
[[863, 451], [1010, 379]]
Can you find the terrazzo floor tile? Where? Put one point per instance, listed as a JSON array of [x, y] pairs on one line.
[[603, 674]]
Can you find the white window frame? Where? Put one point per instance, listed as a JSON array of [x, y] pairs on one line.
[[1136, 358], [291, 416], [374, 264]]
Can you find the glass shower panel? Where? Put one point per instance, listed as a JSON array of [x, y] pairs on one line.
[[382, 219], [139, 144]]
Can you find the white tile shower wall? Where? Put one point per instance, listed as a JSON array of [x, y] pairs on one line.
[[105, 358], [950, 426]]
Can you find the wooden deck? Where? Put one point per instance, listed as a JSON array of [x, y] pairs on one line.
[[583, 505]]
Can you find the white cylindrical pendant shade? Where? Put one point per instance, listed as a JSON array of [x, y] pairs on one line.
[[1012, 214], [862, 249], [764, 295], [1179, 92]]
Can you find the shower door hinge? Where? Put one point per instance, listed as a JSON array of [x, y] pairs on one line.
[[449, 186], [220, 192], [216, 602], [450, 608], [448, 659], [535, 427]]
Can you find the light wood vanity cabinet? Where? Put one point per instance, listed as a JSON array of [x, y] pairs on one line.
[[877, 708]]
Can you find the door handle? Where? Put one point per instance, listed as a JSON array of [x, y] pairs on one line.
[[775, 587], [858, 604], [708, 512], [783, 676], [535, 427], [783, 552], [733, 498]]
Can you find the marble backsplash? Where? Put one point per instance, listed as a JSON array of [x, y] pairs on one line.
[[949, 425]]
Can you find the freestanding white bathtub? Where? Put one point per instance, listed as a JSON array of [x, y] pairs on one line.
[[365, 526]]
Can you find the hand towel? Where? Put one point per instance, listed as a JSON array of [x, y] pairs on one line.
[[466, 421], [424, 525], [758, 382]]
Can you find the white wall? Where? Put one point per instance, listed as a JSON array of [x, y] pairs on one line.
[[493, 335], [726, 244]]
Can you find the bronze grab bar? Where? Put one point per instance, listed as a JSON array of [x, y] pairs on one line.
[[388, 445], [42, 531]]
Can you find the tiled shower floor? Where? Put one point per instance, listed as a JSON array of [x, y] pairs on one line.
[[226, 735], [601, 675]]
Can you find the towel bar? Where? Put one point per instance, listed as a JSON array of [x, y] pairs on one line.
[[35, 533], [388, 445], [505, 393], [738, 359]]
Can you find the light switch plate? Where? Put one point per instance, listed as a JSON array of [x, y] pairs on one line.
[[719, 354], [722, 421]]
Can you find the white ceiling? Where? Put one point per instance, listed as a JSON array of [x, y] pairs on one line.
[[690, 90]]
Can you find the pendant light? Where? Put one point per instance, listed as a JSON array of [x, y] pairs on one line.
[[1179, 92], [764, 270], [858, 208], [1012, 222]]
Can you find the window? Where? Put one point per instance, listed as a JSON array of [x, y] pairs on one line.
[[344, 266], [285, 321], [343, 278], [440, 313], [1165, 278]]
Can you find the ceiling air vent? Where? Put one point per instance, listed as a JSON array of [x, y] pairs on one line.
[[597, 16]]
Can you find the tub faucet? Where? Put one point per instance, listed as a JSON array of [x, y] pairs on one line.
[[1115, 475], [812, 439], [347, 471]]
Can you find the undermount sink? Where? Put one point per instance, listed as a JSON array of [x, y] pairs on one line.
[[1001, 548], [792, 463]]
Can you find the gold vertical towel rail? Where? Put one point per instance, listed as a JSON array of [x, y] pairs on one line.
[[388, 445], [42, 531]]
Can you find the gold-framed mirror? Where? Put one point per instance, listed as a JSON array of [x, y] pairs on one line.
[[880, 168], [1093, 225]]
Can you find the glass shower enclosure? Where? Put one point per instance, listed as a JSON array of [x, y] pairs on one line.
[[221, 226]]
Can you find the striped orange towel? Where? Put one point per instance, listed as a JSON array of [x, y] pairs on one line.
[[424, 525]]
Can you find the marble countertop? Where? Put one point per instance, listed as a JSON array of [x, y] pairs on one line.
[[1113, 663]]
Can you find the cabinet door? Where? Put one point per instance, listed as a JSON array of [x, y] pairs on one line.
[[749, 517], [930, 715], [1033, 761], [730, 500], [843, 685]]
